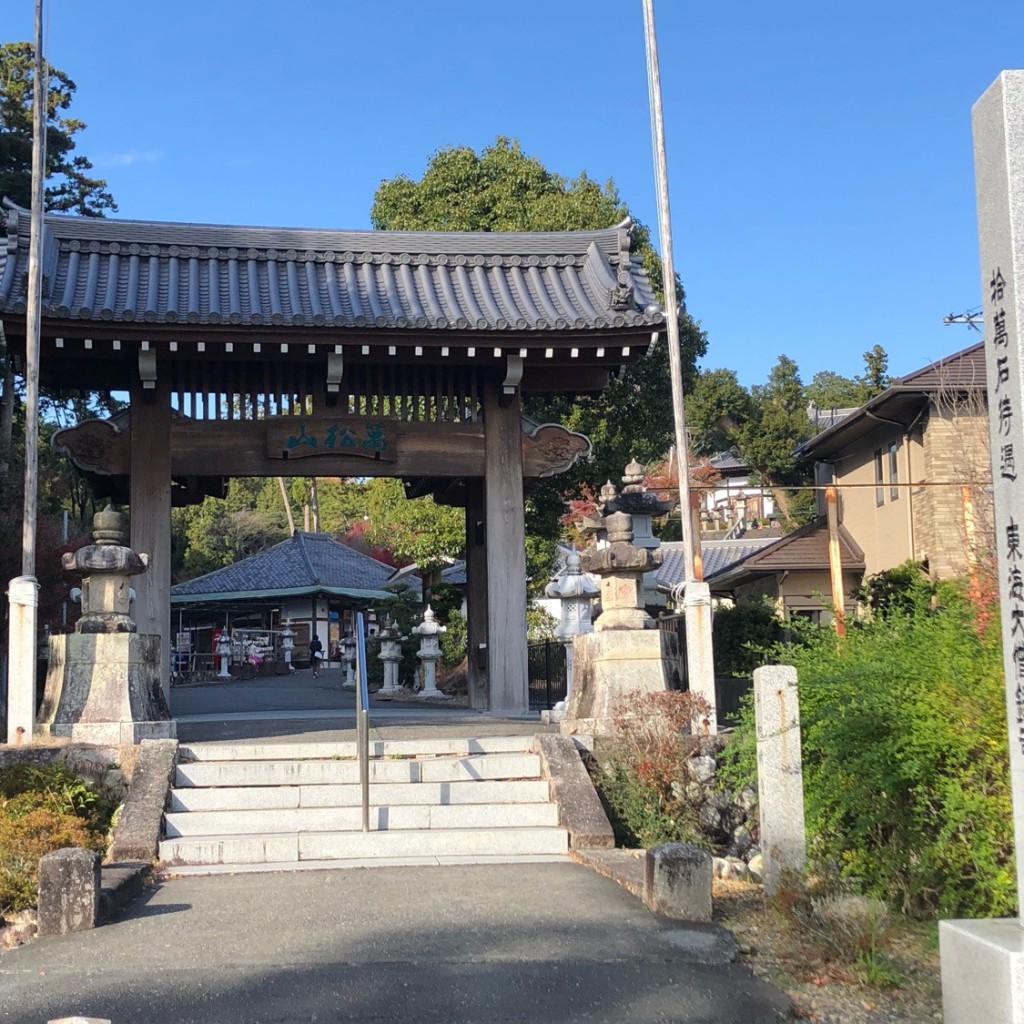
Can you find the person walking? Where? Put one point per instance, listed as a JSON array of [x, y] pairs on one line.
[[316, 653]]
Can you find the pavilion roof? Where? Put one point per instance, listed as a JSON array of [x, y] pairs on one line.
[[306, 563], [158, 273]]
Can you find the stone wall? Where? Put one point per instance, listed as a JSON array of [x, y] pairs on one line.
[[109, 767], [956, 453]]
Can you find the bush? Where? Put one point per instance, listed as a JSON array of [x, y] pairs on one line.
[[741, 635], [453, 642], [906, 775], [43, 808], [640, 780]]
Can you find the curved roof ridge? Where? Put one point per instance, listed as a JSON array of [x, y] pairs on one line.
[[610, 240]]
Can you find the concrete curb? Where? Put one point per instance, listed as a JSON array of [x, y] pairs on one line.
[[120, 884]]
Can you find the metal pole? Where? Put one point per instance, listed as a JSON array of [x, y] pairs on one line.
[[362, 721], [690, 540], [697, 595]]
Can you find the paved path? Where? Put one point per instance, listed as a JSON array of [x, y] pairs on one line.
[[301, 707], [495, 945]]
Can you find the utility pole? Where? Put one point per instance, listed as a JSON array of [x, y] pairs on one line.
[[696, 595], [23, 591]]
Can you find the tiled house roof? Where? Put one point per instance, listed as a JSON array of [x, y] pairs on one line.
[[717, 556], [806, 548], [306, 563], [100, 269], [901, 403]]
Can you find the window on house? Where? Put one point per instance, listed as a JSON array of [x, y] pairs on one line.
[[894, 471], [879, 479]]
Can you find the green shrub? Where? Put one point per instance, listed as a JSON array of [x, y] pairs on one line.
[[641, 777], [741, 635], [905, 765], [453, 642], [44, 808]]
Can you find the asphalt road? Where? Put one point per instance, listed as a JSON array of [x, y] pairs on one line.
[[494, 944]]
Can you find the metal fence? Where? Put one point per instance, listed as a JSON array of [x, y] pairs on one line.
[[548, 680]]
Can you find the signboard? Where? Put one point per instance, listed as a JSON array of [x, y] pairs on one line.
[[302, 437]]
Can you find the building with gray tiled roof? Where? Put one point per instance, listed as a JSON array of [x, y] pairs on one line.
[[311, 579]]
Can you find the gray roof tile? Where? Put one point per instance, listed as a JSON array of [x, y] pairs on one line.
[[304, 561], [153, 272], [717, 556]]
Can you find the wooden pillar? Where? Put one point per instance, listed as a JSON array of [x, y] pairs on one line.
[[476, 594], [507, 668], [150, 500]]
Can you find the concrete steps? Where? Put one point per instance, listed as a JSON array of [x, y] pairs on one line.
[[291, 805]]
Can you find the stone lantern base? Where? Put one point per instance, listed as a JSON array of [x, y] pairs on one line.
[[606, 667], [105, 688]]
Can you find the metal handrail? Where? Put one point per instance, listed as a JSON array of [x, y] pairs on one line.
[[363, 720]]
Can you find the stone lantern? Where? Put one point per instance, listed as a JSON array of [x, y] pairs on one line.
[[576, 593], [348, 659], [621, 566], [288, 643], [223, 651], [391, 638], [429, 653], [104, 681]]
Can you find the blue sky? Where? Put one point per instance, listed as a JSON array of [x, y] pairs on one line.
[[820, 158]]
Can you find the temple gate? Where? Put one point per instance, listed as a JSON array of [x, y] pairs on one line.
[[251, 351]]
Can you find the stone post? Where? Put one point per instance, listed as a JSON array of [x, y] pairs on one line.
[[429, 653], [288, 643], [700, 655], [23, 597], [983, 961], [69, 891], [780, 782], [391, 638]]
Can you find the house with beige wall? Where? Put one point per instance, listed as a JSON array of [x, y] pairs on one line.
[[912, 468], [912, 472]]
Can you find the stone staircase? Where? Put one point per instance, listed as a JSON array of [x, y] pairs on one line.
[[285, 806]]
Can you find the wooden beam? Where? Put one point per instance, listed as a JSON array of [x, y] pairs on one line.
[[476, 595]]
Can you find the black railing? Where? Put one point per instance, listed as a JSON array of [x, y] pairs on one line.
[[548, 680]]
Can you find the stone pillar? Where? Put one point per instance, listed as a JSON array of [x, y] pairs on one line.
[[780, 782], [983, 961], [507, 666], [150, 499], [429, 653], [69, 891], [23, 598], [476, 596], [224, 653]]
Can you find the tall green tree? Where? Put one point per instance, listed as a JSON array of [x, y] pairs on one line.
[[69, 186], [502, 188], [830, 390], [765, 425]]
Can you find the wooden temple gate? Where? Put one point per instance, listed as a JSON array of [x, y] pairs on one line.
[[286, 352]]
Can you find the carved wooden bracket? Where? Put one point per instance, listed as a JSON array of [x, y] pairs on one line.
[[96, 446]]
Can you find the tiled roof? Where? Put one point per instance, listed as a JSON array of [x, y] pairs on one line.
[[901, 403], [964, 369], [306, 562], [717, 555], [98, 269], [806, 548]]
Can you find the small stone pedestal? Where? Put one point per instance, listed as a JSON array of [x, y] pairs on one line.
[[103, 684], [69, 891], [982, 971]]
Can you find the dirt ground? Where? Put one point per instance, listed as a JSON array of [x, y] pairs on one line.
[[824, 990]]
